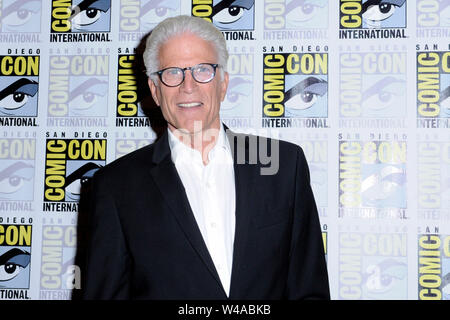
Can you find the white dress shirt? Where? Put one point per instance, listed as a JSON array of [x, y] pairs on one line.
[[211, 192]]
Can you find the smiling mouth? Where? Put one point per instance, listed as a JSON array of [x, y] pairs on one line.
[[190, 104]]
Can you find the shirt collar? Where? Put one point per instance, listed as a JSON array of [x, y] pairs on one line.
[[179, 150]]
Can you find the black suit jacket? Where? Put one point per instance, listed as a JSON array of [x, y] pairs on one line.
[[144, 241]]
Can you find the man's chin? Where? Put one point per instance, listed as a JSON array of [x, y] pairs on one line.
[[193, 128], [186, 130]]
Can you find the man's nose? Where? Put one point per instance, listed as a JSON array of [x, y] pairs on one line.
[[189, 84]]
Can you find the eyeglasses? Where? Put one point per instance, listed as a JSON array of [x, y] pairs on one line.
[[174, 76]]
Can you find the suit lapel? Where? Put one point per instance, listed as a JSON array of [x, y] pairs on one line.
[[172, 190], [245, 174]]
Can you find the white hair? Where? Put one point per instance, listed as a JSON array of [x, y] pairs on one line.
[[178, 25]]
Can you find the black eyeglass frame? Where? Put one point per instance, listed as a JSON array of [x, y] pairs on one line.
[[214, 65]]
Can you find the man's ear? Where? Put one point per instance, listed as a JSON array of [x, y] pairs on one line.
[[154, 90], [224, 86]]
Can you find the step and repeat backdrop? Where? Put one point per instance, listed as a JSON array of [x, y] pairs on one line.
[[362, 86]]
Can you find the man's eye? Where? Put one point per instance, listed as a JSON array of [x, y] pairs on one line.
[[176, 72], [229, 15], [202, 69], [379, 12]]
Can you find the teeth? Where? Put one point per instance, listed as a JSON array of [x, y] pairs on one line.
[[189, 105]]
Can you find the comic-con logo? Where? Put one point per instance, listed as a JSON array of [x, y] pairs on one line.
[[69, 165], [433, 177], [17, 170], [59, 274], [141, 16], [373, 18], [80, 20], [372, 89], [15, 257], [20, 20], [295, 15], [236, 109], [19, 85], [295, 85], [433, 18], [78, 88], [125, 146], [433, 266], [433, 89], [130, 93], [316, 152], [226, 14], [373, 265], [233, 17], [372, 178]]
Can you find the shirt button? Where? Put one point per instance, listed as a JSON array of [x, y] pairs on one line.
[[213, 225]]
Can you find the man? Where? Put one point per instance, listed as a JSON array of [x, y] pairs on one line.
[[194, 216]]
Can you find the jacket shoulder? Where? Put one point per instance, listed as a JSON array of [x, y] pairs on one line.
[[128, 165]]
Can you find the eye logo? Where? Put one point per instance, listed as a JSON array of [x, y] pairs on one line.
[[19, 97], [238, 97], [78, 179], [306, 14], [383, 98], [144, 15], [383, 13], [306, 96], [16, 181], [20, 16], [384, 187], [13, 265], [87, 96], [295, 14], [90, 15], [385, 278], [233, 15], [153, 12], [81, 16], [226, 14], [373, 14]]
